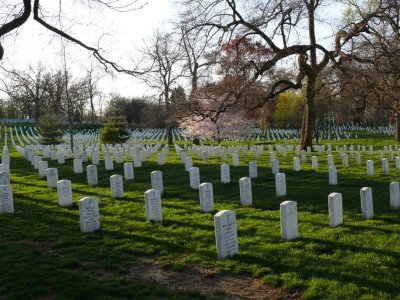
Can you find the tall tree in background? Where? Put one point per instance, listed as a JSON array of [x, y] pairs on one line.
[[287, 29], [163, 55]]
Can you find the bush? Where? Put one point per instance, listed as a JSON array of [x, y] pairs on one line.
[[114, 131]]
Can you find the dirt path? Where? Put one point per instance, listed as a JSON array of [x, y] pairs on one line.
[[208, 282]]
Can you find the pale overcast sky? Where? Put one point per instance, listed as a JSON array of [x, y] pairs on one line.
[[120, 34]]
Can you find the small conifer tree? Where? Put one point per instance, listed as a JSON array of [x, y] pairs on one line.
[[51, 129], [114, 131]]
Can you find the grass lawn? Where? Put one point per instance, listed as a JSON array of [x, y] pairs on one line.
[[44, 255]]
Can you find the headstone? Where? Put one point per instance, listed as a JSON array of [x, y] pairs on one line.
[[4, 178], [385, 165], [60, 158], [137, 161], [225, 174], [36, 160], [91, 174], [246, 197], [280, 184], [330, 160], [52, 177], [64, 192], [366, 202], [116, 186], [303, 156], [275, 166], [358, 158], [253, 169], [206, 197], [370, 167], [289, 226], [157, 181], [160, 159], [188, 163], [394, 195], [235, 159], [194, 178], [397, 163], [95, 158], [78, 166], [314, 162], [153, 205], [332, 175], [296, 164], [226, 234], [43, 166], [89, 214], [335, 209], [6, 199], [345, 160], [128, 171], [108, 162]]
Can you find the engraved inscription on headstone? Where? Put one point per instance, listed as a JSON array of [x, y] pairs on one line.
[[226, 234], [89, 214]]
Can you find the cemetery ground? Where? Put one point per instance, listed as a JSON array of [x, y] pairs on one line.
[[43, 254]]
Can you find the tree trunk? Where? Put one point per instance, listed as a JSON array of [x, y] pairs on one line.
[[169, 134], [307, 125], [396, 127]]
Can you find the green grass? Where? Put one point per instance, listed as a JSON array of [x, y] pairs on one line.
[[44, 254]]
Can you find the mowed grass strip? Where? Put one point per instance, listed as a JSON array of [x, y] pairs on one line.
[[44, 254]]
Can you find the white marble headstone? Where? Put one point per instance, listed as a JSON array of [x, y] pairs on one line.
[[4, 178], [116, 186], [157, 181], [194, 178], [78, 168], [335, 209], [332, 175], [246, 197], [153, 205], [289, 226], [253, 169], [89, 214], [91, 175], [64, 192], [226, 234], [280, 184], [366, 203], [206, 196], [6, 199], [128, 171], [52, 177], [395, 194]]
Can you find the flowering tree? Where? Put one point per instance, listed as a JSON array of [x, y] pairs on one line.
[[227, 125]]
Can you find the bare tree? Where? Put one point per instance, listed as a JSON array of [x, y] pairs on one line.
[[288, 30], [164, 57], [13, 16]]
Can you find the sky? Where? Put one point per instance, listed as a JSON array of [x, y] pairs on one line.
[[120, 35]]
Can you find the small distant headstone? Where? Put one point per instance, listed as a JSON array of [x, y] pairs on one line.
[[226, 234], [397, 163], [253, 169], [303, 155], [358, 158], [36, 160], [6, 199], [206, 197], [108, 162], [64, 192], [116, 186], [128, 171], [78, 168], [119, 159], [235, 159], [314, 162], [330, 160], [246, 197], [194, 178], [188, 163], [89, 214], [52, 177], [366, 202], [137, 161], [160, 159], [153, 205], [385, 165], [335, 209], [157, 181], [289, 226], [275, 166], [91, 174], [394, 195], [345, 160], [225, 174], [296, 164], [370, 167], [60, 158], [43, 166], [280, 184], [332, 175], [95, 158]]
